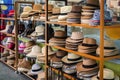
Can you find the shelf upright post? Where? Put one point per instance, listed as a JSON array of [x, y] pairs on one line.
[[101, 38], [46, 41]]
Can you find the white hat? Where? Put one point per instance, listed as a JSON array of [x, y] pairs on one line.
[[36, 50], [65, 9], [108, 74]]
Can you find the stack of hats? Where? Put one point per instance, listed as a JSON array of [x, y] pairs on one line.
[[56, 61], [55, 14], [88, 46], [87, 68], [75, 40], [108, 74], [58, 39], [36, 50], [35, 70], [87, 13], [21, 47], [63, 13], [69, 63], [4, 55], [29, 46], [24, 66], [41, 57], [74, 15], [109, 49], [11, 59]]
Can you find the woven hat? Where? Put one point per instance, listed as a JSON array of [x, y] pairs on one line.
[[107, 75], [11, 57], [71, 59], [21, 47], [109, 48], [36, 50], [24, 66], [39, 30], [76, 1], [87, 65], [36, 69], [65, 9], [56, 11]]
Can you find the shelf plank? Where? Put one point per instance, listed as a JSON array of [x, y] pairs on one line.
[[7, 18], [75, 52], [72, 24], [112, 57], [7, 48], [117, 25], [11, 35], [64, 74], [27, 75]]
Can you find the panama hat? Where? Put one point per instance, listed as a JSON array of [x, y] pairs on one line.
[[71, 59], [36, 69], [36, 50], [107, 75]]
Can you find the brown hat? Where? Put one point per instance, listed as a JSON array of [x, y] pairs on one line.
[[76, 9], [50, 7], [93, 2], [87, 65], [89, 7], [37, 8], [60, 34], [56, 11]]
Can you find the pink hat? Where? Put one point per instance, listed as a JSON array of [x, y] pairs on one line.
[[21, 47]]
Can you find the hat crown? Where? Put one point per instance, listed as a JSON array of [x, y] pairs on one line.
[[37, 7], [27, 9], [66, 9], [61, 53], [108, 74], [87, 61], [36, 49], [73, 56], [39, 28], [109, 43], [60, 33], [36, 67], [89, 41], [77, 35]]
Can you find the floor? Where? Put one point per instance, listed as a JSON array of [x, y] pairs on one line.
[[7, 73]]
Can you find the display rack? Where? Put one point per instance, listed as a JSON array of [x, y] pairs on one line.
[[101, 28]]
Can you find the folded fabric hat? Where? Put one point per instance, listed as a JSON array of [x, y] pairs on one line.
[[41, 76], [107, 75], [39, 30], [109, 49], [55, 61], [41, 57], [71, 59], [73, 41], [88, 46], [21, 47], [36, 50], [36, 69], [58, 39], [24, 66], [11, 13], [96, 18], [26, 12], [86, 67]]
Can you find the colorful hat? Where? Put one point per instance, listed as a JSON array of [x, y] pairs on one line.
[[21, 47], [36, 50], [11, 13], [107, 75]]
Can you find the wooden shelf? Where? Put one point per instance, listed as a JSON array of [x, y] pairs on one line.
[[64, 74], [11, 35], [27, 75], [7, 18], [113, 26], [71, 24], [7, 48], [112, 57]]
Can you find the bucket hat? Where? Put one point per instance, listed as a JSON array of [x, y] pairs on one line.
[[36, 50], [35, 70], [108, 75], [109, 48]]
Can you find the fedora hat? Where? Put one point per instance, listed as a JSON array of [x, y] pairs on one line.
[[107, 75], [36, 50], [109, 48], [21, 47], [24, 66], [71, 59], [36, 69]]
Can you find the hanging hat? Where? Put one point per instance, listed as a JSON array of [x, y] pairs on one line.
[[24, 66], [21, 47], [36, 50], [11, 46], [71, 59], [109, 48], [107, 75], [36, 69], [56, 61]]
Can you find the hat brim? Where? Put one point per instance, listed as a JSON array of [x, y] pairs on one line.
[[86, 47], [32, 54], [38, 34], [30, 72], [72, 40], [87, 50]]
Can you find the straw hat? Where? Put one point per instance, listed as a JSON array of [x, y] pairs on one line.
[[36, 50], [76, 1], [5, 53], [71, 59], [87, 65], [66, 9], [109, 48], [36, 69], [107, 75], [37, 8], [56, 11], [11, 57]]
